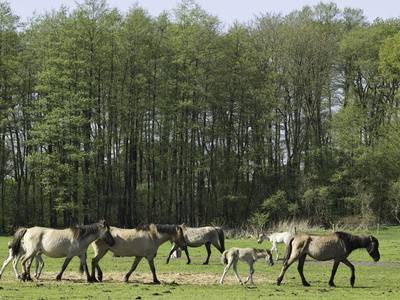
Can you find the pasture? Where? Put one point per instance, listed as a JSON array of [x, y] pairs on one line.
[[198, 281]]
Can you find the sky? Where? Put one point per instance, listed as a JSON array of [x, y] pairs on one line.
[[227, 11]]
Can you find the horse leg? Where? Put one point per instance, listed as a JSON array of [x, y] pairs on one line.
[[350, 265], [98, 254], [250, 274], [134, 265], [64, 266], [39, 259], [334, 269], [28, 278], [225, 271], [26, 264], [274, 246], [187, 255], [172, 251], [82, 257], [302, 259], [153, 270], [15, 264], [235, 271], [208, 247], [10, 257], [286, 264]]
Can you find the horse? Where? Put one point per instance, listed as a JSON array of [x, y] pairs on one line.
[[17, 257], [198, 236], [139, 242], [275, 238], [250, 255], [57, 243], [336, 246]]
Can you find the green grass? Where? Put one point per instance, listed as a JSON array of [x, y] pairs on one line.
[[196, 281]]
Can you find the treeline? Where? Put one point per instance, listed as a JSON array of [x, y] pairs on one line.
[[177, 119]]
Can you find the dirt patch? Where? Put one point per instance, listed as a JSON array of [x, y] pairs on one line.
[[164, 277], [180, 277]]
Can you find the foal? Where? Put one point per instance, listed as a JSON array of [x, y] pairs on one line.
[[17, 257], [275, 238], [250, 255]]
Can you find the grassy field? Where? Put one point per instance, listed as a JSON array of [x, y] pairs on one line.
[[196, 281]]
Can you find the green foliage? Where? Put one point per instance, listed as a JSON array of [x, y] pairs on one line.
[[176, 119], [259, 219], [278, 207]]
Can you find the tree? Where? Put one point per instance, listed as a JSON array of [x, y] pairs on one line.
[[10, 46]]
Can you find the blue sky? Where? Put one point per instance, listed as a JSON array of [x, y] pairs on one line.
[[227, 10]]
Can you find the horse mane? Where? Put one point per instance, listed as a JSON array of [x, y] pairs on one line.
[[84, 230], [258, 250], [157, 228], [351, 241]]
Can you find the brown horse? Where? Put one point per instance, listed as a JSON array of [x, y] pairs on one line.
[[336, 246], [139, 242], [199, 236]]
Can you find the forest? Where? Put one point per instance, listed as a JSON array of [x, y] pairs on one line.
[[179, 118]]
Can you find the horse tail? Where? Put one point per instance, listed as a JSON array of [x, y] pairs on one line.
[[16, 242], [288, 250], [221, 238], [223, 257]]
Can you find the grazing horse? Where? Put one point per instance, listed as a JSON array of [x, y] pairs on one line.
[[57, 243], [139, 242], [198, 236], [275, 239], [250, 255], [17, 257], [336, 246]]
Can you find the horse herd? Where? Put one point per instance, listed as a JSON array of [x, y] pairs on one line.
[[143, 242]]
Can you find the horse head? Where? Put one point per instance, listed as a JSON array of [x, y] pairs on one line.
[[372, 248], [260, 238], [268, 258], [179, 239], [105, 234]]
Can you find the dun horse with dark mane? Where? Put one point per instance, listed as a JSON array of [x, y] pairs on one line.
[[336, 246], [139, 242], [198, 236], [57, 243]]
